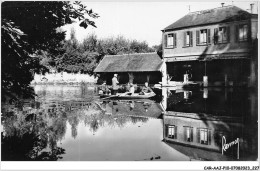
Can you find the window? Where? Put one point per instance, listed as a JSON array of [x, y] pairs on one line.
[[204, 136], [170, 40], [221, 35], [171, 131], [188, 134], [242, 32], [188, 39], [203, 37]]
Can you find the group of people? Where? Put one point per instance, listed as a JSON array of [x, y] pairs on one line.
[[130, 88]]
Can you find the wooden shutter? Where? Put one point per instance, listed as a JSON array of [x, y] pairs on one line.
[[209, 136], [197, 37], [185, 39], [175, 132], [215, 35], [198, 135], [185, 133], [174, 40], [191, 134], [191, 39], [237, 33], [208, 33], [248, 32], [228, 34], [165, 40], [166, 131]]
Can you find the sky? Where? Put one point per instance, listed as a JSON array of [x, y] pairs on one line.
[[142, 20]]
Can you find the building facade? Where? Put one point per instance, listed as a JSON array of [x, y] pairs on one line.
[[215, 47]]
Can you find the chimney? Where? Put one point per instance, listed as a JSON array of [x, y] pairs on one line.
[[222, 4], [251, 8]]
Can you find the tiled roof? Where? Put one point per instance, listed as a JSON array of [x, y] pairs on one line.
[[211, 16], [145, 62]]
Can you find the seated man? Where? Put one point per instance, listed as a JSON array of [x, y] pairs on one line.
[[131, 90], [146, 89], [104, 89]]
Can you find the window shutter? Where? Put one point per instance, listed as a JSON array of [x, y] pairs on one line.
[[191, 39], [185, 133], [174, 40], [248, 33], [185, 39], [198, 135], [209, 136], [208, 33], [191, 134], [237, 33], [175, 132], [215, 35], [197, 37], [166, 131], [228, 34], [165, 40]]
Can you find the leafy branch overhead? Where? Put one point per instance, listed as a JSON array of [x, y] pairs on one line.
[[30, 29]]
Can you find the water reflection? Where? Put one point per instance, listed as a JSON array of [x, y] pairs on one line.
[[73, 123], [51, 127], [196, 122]]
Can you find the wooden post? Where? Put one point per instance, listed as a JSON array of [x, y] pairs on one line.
[[164, 73], [226, 80], [148, 78], [205, 81], [131, 77]]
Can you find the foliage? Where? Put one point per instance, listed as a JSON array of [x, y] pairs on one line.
[[84, 57], [158, 49], [78, 57], [28, 29]]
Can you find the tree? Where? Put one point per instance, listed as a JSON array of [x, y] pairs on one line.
[[79, 57], [28, 29]]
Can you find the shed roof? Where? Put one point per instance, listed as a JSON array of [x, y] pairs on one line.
[[141, 108], [145, 62], [210, 16]]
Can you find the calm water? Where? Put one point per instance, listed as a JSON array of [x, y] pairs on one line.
[[72, 123]]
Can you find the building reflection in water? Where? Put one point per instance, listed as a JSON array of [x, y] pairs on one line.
[[195, 123]]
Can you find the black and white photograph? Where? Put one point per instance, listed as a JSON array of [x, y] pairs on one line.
[[119, 85]]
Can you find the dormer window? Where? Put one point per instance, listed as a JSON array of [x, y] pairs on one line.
[[203, 37], [170, 40]]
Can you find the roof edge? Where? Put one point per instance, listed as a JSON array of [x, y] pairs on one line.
[[132, 54]]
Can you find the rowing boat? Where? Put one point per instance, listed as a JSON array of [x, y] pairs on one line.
[[129, 96]]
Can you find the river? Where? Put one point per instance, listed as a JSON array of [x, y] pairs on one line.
[[71, 123]]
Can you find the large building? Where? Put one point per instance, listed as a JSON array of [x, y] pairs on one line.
[[217, 46]]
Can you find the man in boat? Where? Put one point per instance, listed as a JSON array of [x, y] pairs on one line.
[[132, 89], [146, 89], [104, 89], [114, 84]]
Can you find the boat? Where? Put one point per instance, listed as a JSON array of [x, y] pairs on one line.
[[129, 96], [180, 85]]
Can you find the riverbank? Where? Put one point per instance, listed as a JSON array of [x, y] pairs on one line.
[[63, 78]]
